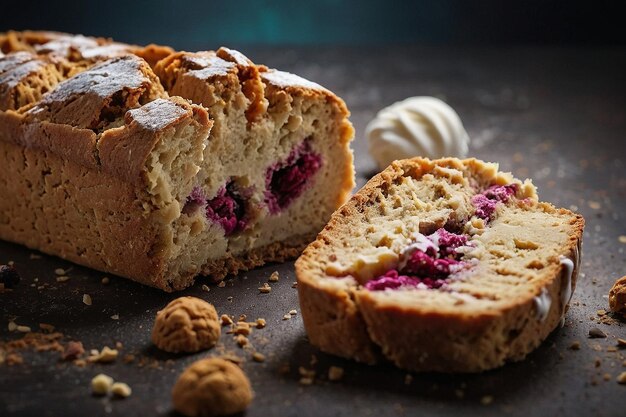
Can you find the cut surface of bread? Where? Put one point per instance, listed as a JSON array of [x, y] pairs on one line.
[[159, 165], [444, 265]]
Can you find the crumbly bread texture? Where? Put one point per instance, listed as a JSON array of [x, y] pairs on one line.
[[212, 387], [186, 324], [445, 265], [110, 165], [617, 296]]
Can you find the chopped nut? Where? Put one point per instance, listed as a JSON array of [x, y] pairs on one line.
[[12, 326], [594, 205], [72, 351], [617, 296], [601, 312], [87, 299], [606, 377], [242, 340], [222, 284], [294, 285], [242, 328], [60, 271], [258, 357], [128, 358], [34, 256], [265, 288], [594, 333], [120, 389], [23, 329], [226, 320], [242, 317], [621, 343], [293, 312], [287, 317], [115, 317], [105, 280], [63, 278], [622, 239], [274, 277], [260, 323], [229, 299], [205, 288], [101, 384], [107, 355], [335, 373], [621, 378]]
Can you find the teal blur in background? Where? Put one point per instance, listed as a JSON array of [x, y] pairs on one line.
[[197, 24]]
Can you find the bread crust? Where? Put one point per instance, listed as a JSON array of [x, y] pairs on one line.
[[352, 322], [82, 119]]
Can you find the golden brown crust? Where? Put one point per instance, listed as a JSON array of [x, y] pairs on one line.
[[617, 296], [212, 387], [186, 324], [93, 115], [343, 318]]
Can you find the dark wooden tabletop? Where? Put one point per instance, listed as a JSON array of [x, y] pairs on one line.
[[556, 115]]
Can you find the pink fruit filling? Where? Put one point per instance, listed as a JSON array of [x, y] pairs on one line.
[[286, 181], [227, 208], [486, 201], [425, 264]]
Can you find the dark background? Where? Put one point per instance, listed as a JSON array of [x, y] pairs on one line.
[[199, 24]]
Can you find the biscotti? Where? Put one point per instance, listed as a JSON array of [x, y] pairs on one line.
[[160, 166], [445, 265]]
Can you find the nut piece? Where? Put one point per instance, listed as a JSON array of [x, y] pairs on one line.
[[212, 387], [101, 384], [121, 390], [187, 324], [617, 296]]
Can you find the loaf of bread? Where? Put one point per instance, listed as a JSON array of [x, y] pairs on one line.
[[160, 166], [444, 265]]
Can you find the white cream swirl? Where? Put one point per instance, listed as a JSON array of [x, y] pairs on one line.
[[417, 126]]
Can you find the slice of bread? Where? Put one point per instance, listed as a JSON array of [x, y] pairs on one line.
[[445, 265]]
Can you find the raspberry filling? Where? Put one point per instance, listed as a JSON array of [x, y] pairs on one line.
[[227, 208], [286, 181], [486, 201], [425, 264]]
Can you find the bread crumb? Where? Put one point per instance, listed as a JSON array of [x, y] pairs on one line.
[[107, 355], [115, 317], [621, 378], [265, 288], [242, 328], [335, 373], [105, 280], [87, 299], [60, 271], [260, 323], [205, 288], [258, 357], [226, 320], [101, 384], [222, 284], [606, 377], [575, 345], [121, 390], [46, 327], [594, 205], [63, 278], [242, 340], [486, 400], [274, 277], [34, 256], [621, 343], [72, 351]]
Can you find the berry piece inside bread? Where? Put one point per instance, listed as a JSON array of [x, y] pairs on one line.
[[445, 265]]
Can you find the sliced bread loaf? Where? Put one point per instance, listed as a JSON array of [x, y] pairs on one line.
[[445, 265]]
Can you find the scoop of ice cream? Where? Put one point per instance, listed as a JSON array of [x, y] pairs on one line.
[[417, 126]]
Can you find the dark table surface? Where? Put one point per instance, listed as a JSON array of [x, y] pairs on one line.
[[556, 115]]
